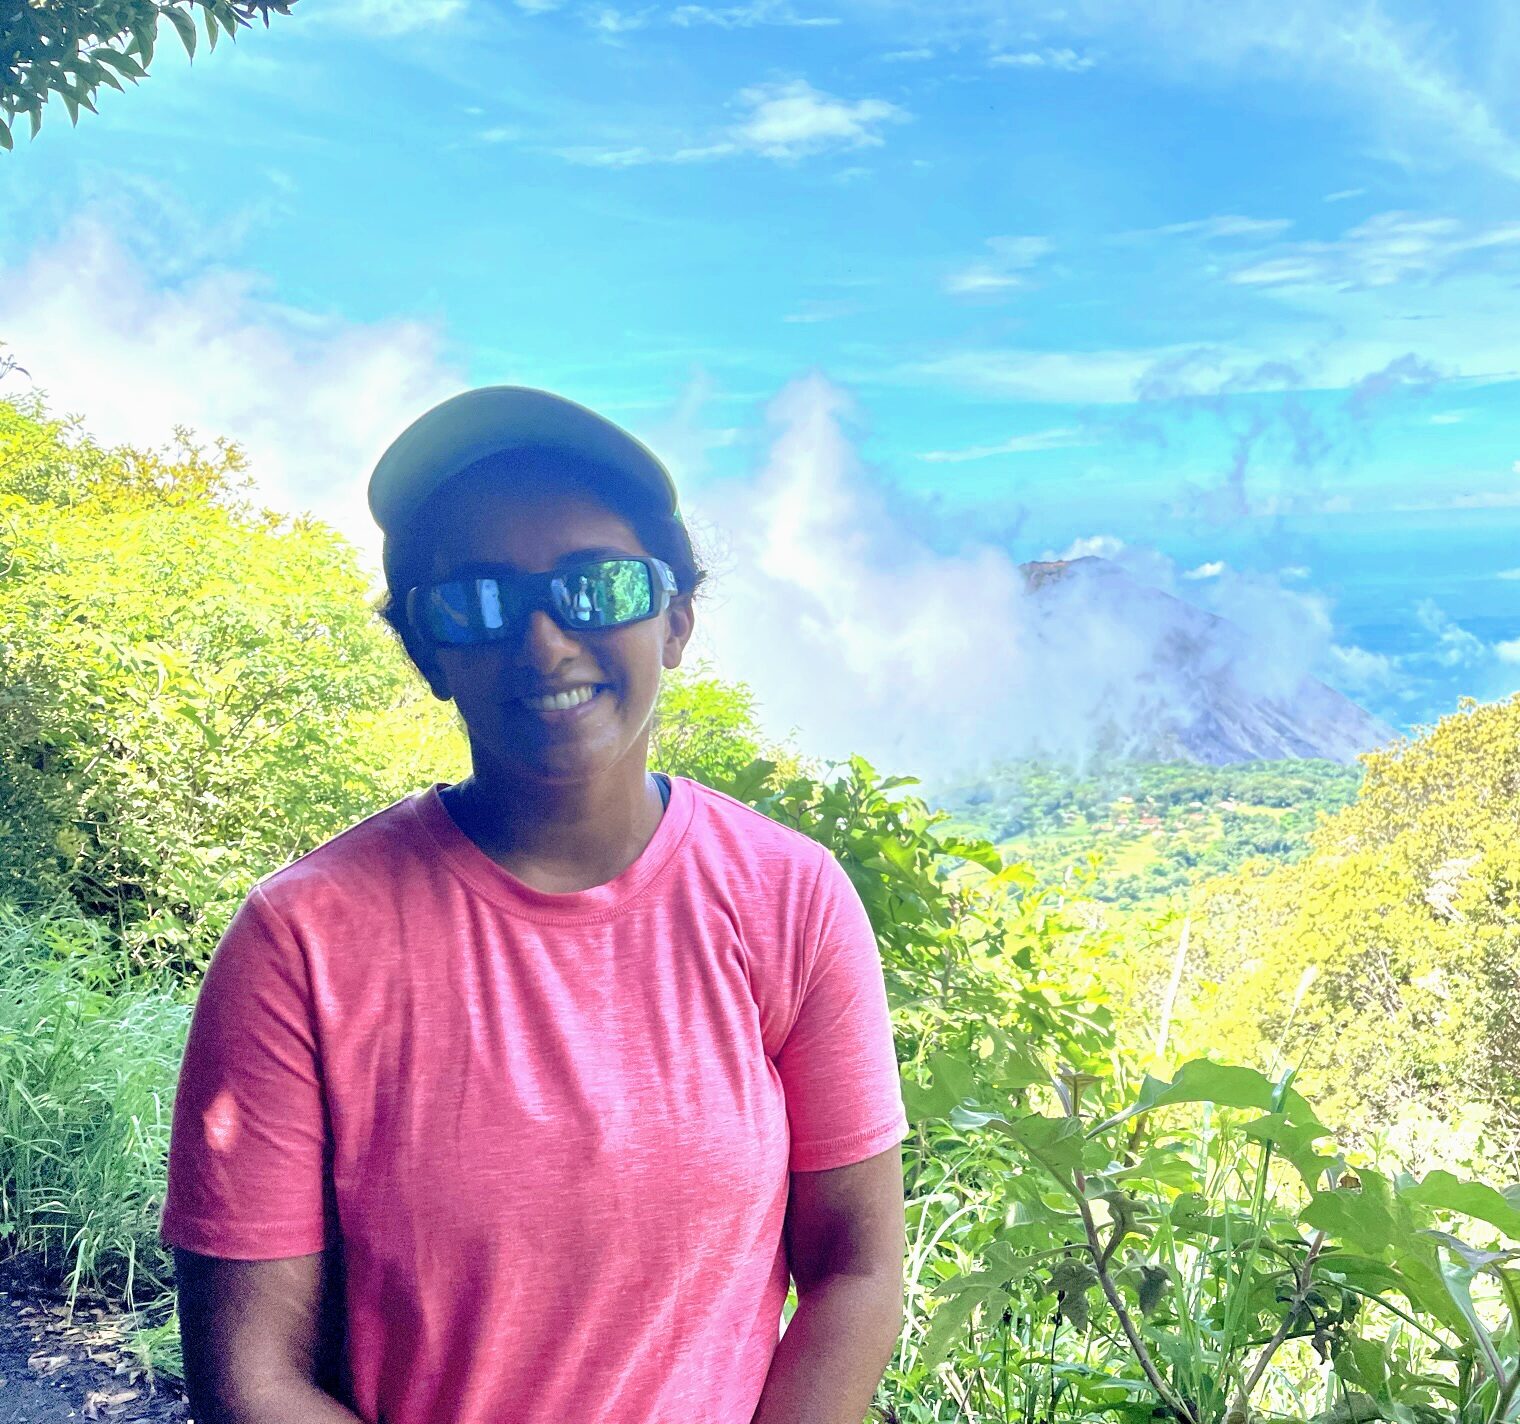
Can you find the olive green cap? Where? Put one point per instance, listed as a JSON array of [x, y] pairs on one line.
[[491, 420]]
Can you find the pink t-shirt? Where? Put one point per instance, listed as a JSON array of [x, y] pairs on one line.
[[551, 1132]]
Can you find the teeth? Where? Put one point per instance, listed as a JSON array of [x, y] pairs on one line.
[[557, 701]]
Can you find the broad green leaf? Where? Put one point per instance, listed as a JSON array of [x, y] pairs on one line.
[[1203, 1081], [1445, 1192], [1367, 1218], [1055, 1143], [1294, 1141]]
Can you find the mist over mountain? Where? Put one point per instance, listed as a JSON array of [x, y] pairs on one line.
[[1186, 684]]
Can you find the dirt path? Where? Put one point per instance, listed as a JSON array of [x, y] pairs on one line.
[[53, 1368]]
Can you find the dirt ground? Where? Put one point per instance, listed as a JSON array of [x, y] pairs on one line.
[[54, 1367]]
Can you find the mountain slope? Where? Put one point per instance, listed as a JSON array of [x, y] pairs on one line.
[[1172, 682]]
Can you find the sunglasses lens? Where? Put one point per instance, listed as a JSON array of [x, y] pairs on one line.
[[604, 594], [462, 611]]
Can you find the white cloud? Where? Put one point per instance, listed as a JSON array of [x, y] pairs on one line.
[[1515, 468], [852, 627], [1449, 417], [790, 119], [1011, 258], [1454, 645], [1360, 668], [1207, 571], [1066, 60], [1387, 250], [785, 120], [501, 133], [1091, 546], [1511, 574], [1344, 194], [313, 399], [854, 631], [1293, 571], [1508, 652], [1059, 438], [610, 21]]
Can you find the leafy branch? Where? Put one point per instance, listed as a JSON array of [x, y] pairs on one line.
[[69, 48]]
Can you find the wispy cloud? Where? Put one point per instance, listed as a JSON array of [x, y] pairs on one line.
[[813, 311], [1068, 61], [1476, 499], [1223, 225], [1207, 571], [1078, 377], [1401, 78], [1059, 438], [1344, 194], [610, 21], [1011, 259], [744, 17], [1388, 249], [786, 120]]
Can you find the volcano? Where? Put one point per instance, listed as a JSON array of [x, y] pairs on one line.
[[1183, 684]]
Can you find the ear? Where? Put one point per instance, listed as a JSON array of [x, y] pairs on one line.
[[680, 619]]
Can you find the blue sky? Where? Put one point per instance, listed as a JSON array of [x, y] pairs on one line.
[[1228, 292]]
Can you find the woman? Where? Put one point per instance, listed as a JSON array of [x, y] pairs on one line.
[[519, 1101]]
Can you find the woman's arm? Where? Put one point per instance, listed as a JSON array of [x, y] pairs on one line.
[[261, 1338], [846, 1239]]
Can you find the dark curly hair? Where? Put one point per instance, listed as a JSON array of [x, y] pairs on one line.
[[408, 550]]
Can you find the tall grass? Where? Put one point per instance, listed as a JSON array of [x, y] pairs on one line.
[[87, 1071]]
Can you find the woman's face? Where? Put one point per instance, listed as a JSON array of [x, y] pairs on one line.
[[497, 686]]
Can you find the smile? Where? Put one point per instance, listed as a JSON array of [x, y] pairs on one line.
[[558, 701]]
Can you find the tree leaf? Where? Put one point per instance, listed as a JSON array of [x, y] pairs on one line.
[[184, 24], [1445, 1192]]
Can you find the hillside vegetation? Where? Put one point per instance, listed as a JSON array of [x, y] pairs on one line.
[[1386, 961], [1145, 831]]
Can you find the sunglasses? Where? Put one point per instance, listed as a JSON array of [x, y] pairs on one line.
[[488, 604]]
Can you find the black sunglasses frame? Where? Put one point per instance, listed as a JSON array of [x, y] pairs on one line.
[[536, 591]]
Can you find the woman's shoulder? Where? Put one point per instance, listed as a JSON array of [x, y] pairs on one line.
[[351, 862], [733, 826]]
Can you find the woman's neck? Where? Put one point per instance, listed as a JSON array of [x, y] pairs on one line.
[[558, 837]]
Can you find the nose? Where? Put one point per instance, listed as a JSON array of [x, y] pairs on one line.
[[545, 645]]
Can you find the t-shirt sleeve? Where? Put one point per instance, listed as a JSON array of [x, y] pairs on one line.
[[838, 1064], [249, 1154]]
